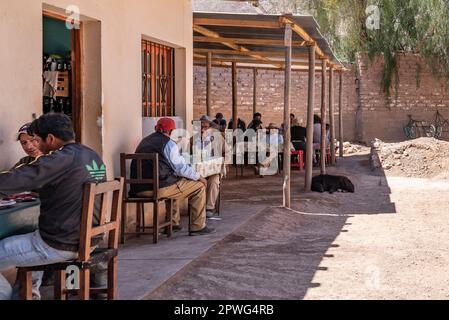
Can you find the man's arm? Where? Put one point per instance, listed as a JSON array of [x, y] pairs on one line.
[[178, 163], [36, 174]]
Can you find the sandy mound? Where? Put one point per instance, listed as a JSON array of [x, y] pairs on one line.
[[420, 158], [352, 148]]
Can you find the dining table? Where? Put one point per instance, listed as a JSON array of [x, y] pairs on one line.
[[20, 218]]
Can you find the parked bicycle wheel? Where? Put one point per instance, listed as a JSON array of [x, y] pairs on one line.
[[437, 131], [430, 131], [410, 132]]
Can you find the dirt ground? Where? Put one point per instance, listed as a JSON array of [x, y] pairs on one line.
[[388, 240], [419, 158]]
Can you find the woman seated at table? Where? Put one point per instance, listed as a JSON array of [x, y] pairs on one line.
[[208, 146]]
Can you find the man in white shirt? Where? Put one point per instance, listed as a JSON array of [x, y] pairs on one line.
[[177, 179]]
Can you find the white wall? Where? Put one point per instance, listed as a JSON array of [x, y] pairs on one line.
[[123, 24]]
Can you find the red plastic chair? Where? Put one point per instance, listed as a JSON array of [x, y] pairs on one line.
[[299, 163]]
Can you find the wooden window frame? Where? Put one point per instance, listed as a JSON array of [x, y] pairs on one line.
[[158, 71]]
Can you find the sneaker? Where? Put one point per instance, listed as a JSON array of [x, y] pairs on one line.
[[204, 231], [209, 214], [174, 229]]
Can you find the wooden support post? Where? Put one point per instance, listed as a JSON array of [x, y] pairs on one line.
[[208, 83], [287, 133], [234, 96], [340, 113], [323, 117], [254, 90], [310, 104], [331, 114]]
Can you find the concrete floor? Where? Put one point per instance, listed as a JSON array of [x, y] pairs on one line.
[[144, 266]]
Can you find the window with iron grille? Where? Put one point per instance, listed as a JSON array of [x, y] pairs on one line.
[[158, 79]]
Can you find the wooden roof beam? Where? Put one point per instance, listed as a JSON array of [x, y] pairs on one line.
[[236, 23], [209, 33], [310, 41], [278, 64], [278, 54], [264, 42]]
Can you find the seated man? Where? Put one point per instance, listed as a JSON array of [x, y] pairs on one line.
[[213, 181], [29, 145], [177, 180], [220, 121], [59, 177], [298, 138], [240, 125], [256, 123]]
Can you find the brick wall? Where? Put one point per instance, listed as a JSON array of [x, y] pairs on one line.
[[378, 116], [384, 117], [270, 98]]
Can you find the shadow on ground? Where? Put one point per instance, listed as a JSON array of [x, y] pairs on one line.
[[276, 254]]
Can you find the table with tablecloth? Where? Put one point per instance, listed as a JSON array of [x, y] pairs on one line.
[[22, 218]]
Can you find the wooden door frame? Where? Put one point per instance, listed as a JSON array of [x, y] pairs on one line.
[[76, 83]]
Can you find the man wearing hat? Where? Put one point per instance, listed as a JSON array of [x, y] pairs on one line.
[[29, 145], [177, 180]]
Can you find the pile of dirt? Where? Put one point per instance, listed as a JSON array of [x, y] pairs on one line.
[[420, 158], [351, 148]]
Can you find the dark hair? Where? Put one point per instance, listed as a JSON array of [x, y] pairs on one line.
[[292, 115], [219, 115], [257, 114], [316, 119], [57, 124], [256, 123]]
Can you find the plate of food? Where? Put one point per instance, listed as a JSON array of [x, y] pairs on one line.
[[23, 197], [7, 204]]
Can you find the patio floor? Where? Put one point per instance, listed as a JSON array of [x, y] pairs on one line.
[[143, 266]]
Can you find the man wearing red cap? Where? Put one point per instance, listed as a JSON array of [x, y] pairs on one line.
[[177, 180]]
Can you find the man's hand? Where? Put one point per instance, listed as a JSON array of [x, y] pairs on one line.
[[203, 181]]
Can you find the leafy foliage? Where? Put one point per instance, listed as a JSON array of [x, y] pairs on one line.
[[418, 26]]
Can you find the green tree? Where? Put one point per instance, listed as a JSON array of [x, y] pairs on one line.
[[418, 26]]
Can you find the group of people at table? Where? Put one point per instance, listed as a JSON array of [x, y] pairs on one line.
[[298, 132], [57, 168]]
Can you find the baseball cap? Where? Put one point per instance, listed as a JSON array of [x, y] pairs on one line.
[[166, 124], [23, 129]]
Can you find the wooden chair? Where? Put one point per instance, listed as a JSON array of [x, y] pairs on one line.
[[154, 197], [88, 258]]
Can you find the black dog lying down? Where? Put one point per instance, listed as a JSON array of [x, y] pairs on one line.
[[323, 183]]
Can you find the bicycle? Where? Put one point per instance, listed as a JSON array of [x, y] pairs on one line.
[[417, 128], [438, 125]]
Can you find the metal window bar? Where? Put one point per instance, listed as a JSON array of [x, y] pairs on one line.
[[157, 80]]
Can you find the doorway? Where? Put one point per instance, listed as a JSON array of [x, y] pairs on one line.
[[61, 70]]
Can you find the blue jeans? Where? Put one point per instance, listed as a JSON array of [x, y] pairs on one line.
[[26, 251]]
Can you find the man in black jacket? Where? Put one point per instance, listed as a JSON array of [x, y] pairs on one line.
[[59, 177]]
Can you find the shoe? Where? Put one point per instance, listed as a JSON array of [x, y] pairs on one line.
[[204, 231], [209, 214], [215, 218], [174, 229], [177, 228]]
